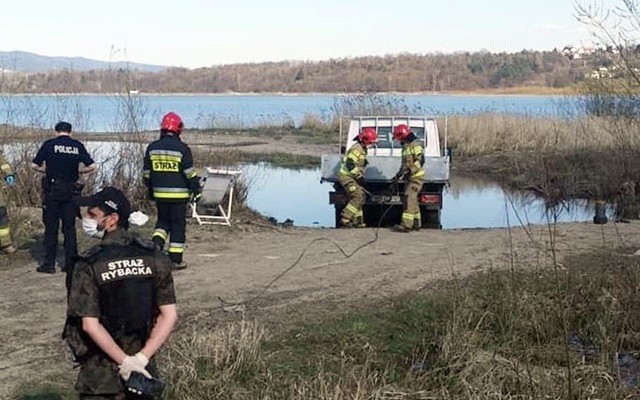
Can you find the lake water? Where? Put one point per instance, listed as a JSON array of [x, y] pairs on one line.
[[298, 195], [108, 113]]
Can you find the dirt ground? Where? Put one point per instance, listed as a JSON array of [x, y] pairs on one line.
[[237, 263]]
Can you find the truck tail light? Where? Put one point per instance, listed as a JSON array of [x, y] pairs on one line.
[[429, 199]]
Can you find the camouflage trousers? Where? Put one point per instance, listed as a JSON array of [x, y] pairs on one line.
[[411, 218], [352, 213], [99, 379]]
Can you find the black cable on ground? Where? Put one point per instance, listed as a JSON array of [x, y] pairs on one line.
[[347, 255]]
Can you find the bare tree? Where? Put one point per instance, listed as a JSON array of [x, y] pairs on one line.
[[616, 29]]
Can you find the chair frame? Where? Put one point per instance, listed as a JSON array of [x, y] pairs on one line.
[[225, 209]]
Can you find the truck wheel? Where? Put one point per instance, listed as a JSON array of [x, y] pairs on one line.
[[430, 218]]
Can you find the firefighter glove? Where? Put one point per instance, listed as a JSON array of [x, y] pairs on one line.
[[137, 363], [195, 197], [10, 179]]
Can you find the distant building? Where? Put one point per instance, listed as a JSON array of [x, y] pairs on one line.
[[602, 73], [576, 53]]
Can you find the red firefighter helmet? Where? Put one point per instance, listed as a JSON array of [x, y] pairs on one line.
[[401, 132], [367, 136], [172, 123]]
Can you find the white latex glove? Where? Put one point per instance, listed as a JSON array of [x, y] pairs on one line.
[[137, 362]]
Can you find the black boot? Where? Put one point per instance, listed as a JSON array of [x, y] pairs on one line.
[[177, 261], [46, 269]]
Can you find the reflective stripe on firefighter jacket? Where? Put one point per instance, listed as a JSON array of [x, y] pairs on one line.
[[354, 162], [413, 159], [168, 170]]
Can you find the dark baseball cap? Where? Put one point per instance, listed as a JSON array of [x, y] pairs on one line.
[[110, 200]]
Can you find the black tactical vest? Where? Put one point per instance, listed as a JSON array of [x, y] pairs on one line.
[[127, 278]]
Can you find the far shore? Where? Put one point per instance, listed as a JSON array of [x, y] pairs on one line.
[[514, 91]]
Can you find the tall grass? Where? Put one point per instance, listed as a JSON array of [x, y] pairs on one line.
[[500, 334], [486, 134], [557, 158], [224, 356]]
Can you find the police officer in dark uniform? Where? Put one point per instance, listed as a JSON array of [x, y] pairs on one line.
[[172, 181], [121, 296], [59, 159]]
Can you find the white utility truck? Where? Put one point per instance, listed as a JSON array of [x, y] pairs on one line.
[[383, 204]]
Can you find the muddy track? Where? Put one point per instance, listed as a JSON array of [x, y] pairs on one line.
[[236, 263]]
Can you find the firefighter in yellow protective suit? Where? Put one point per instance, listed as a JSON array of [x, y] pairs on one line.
[[412, 172], [351, 177], [9, 178]]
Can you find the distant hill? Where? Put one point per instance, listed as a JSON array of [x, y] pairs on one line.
[[392, 73], [22, 61]]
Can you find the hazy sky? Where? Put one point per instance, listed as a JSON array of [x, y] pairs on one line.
[[195, 33]]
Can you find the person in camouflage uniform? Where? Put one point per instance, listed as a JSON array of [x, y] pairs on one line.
[[412, 172], [351, 177], [121, 295], [6, 244]]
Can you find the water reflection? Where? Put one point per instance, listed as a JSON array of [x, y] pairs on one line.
[[478, 203], [468, 202]]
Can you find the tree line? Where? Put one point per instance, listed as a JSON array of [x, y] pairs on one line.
[[397, 73]]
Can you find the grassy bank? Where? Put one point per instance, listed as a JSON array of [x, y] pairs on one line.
[[528, 335], [521, 91], [565, 332], [231, 157]]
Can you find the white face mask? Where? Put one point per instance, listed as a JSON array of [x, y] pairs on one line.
[[90, 227]]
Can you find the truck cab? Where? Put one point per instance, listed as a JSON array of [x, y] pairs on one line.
[[383, 205]]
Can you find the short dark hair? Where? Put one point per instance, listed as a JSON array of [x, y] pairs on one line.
[[63, 127]]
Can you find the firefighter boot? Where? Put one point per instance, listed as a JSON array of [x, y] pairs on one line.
[[401, 228], [179, 266], [345, 223], [358, 222]]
